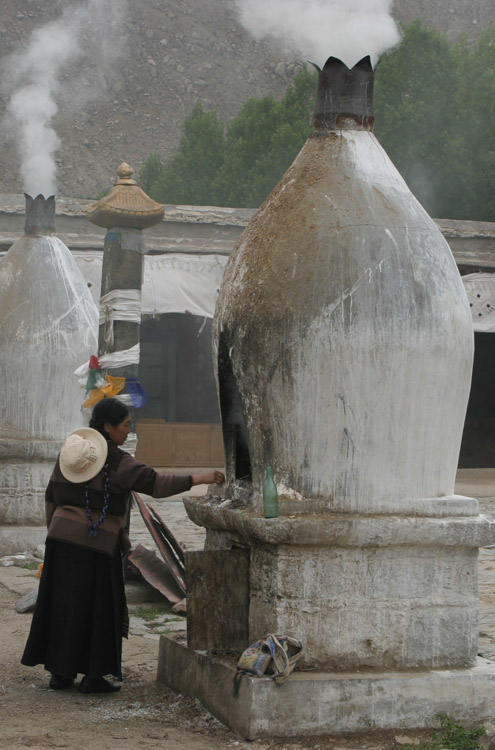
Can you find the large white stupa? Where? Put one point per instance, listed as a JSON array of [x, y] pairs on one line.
[[48, 327]]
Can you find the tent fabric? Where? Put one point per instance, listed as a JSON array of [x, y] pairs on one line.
[[172, 283], [480, 289], [175, 283]]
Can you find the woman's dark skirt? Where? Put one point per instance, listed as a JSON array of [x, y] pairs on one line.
[[80, 615]]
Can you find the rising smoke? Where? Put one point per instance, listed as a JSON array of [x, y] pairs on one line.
[[32, 81], [318, 29]]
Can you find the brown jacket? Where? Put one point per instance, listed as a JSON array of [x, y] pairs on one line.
[[65, 502]]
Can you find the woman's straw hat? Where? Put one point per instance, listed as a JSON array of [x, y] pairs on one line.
[[83, 455]]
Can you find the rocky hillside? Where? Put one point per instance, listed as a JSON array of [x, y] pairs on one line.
[[173, 53]]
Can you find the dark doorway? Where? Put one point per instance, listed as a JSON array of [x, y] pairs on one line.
[[478, 440], [176, 369]]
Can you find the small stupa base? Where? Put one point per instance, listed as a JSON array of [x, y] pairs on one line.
[[18, 539], [22, 490], [335, 703], [23, 481]]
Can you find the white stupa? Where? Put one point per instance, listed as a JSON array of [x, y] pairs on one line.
[[48, 327]]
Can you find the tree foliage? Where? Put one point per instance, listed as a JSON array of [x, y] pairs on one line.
[[413, 105], [240, 164], [476, 122], [150, 172], [263, 140], [190, 176], [434, 107]]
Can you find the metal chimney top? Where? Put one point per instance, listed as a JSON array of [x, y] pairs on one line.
[[344, 99], [40, 215]]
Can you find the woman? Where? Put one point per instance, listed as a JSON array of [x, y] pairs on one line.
[[81, 613]]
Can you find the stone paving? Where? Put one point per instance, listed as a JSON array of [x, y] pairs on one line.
[[172, 511]]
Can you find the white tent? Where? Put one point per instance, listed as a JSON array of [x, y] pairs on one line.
[[172, 283], [189, 283]]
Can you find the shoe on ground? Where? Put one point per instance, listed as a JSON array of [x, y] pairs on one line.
[[97, 685], [57, 682]]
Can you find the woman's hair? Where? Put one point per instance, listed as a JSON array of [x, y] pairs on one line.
[[108, 410]]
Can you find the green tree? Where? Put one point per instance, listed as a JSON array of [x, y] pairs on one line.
[[191, 175], [476, 128], [241, 166], [299, 99], [263, 140], [435, 116], [414, 106], [151, 171], [434, 107], [248, 138]]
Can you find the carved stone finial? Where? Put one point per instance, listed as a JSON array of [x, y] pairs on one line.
[[126, 205], [124, 173]]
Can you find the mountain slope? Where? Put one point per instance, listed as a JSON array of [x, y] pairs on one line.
[[173, 53]]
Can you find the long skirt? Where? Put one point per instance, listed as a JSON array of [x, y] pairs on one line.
[[80, 614]]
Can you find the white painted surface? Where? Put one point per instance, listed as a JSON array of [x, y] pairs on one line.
[[349, 333], [172, 283], [48, 326], [394, 607], [322, 703], [364, 591]]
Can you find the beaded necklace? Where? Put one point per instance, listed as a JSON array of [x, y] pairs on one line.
[[93, 527]]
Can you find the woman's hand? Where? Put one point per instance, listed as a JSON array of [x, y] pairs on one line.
[[212, 477]]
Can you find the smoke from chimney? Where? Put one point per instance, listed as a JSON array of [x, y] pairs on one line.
[[315, 29], [32, 81]]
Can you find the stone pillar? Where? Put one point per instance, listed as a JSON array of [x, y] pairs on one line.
[[125, 212], [122, 271]]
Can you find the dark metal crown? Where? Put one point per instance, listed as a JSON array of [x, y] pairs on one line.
[[344, 99]]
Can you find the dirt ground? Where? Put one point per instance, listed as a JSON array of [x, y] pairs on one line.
[[143, 714], [147, 714]]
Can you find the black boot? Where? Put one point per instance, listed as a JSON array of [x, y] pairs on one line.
[[97, 685], [57, 682]]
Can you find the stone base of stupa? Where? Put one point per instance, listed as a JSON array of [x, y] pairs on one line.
[[16, 539], [335, 703], [23, 481], [22, 491], [383, 592]]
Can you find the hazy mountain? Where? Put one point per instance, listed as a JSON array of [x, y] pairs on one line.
[[172, 53]]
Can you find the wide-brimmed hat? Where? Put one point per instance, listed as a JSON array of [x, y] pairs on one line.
[[83, 455]]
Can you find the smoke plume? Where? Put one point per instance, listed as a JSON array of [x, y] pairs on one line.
[[318, 29], [32, 82]]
